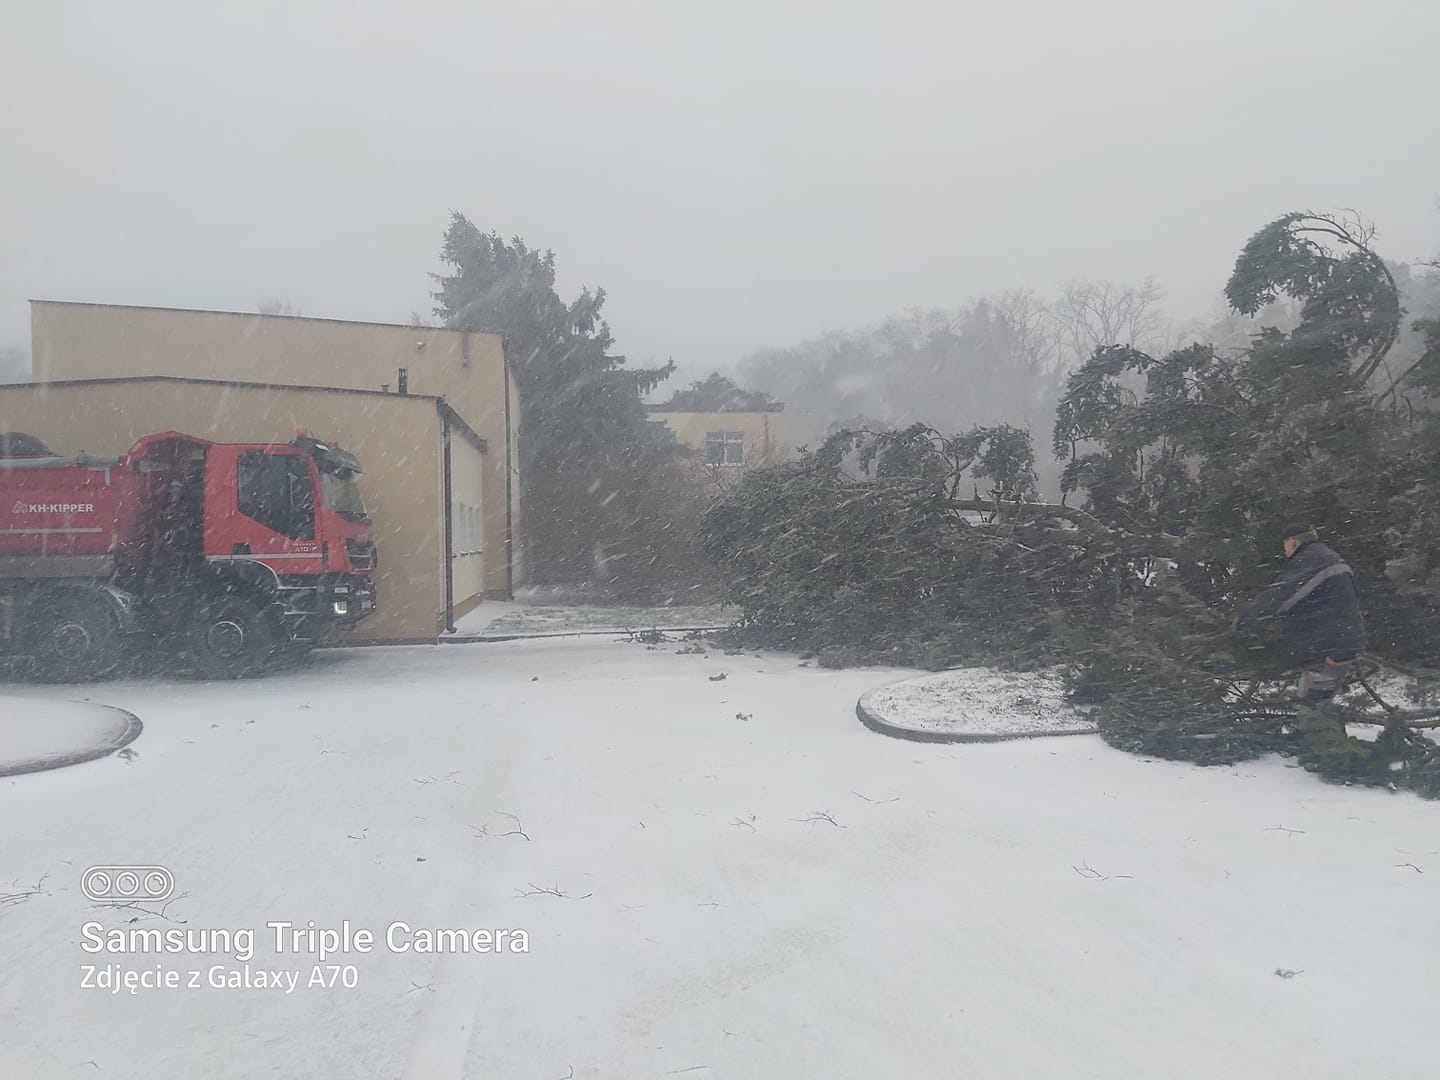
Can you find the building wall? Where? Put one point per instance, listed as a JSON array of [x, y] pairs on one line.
[[397, 440], [472, 552], [101, 341], [763, 431]]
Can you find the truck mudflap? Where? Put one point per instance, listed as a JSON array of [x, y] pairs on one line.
[[125, 606]]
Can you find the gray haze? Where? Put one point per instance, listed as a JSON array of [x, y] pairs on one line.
[[736, 175]]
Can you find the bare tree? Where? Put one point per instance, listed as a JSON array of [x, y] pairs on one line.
[[276, 306], [1089, 314], [1030, 327]]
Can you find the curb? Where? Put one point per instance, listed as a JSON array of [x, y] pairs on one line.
[[470, 639], [133, 727], [872, 720]]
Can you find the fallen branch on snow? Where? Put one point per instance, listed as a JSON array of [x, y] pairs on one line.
[[518, 830], [38, 889], [553, 890]]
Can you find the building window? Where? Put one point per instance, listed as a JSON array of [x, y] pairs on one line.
[[469, 523], [725, 447]]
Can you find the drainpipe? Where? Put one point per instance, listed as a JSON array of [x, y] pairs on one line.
[[449, 528], [509, 494]]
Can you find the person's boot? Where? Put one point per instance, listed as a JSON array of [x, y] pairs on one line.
[[1325, 746]]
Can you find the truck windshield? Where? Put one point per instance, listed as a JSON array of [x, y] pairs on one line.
[[342, 494]]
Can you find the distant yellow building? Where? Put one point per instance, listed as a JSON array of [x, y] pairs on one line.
[[732, 428], [738, 440]]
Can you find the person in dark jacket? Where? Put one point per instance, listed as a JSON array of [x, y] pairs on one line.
[[1314, 607]]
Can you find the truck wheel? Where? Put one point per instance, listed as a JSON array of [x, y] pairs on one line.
[[230, 638], [77, 639]]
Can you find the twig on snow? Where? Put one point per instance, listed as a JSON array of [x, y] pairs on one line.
[[1088, 872], [1281, 828], [893, 798], [1411, 865], [748, 823], [38, 889], [448, 778], [518, 830], [553, 890], [819, 815], [162, 913]]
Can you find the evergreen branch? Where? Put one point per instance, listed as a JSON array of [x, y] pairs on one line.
[[1088, 529], [1389, 709]]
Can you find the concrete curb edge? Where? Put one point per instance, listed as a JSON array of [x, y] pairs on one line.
[[133, 727], [875, 722], [470, 639]]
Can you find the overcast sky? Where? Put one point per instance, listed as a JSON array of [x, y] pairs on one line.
[[736, 174]]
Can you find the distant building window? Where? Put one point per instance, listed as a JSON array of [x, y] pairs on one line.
[[725, 447]]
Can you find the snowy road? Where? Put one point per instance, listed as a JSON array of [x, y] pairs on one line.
[[1043, 909]]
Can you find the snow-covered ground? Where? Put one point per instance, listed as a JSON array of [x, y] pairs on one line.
[[718, 878]]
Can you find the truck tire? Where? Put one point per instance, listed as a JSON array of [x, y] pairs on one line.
[[77, 638], [230, 638]]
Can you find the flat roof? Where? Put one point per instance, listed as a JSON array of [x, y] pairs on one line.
[[260, 315], [441, 404], [106, 380]]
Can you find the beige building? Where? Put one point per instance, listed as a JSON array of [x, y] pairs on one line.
[[727, 440], [432, 414]]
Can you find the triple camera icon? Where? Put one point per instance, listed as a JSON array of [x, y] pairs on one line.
[[127, 884]]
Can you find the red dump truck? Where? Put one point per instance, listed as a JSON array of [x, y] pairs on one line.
[[222, 555]]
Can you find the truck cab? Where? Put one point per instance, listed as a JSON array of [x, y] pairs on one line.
[[285, 521], [296, 510]]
